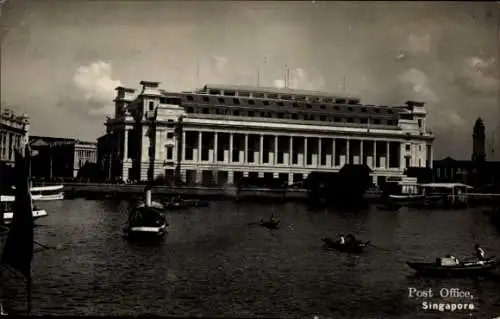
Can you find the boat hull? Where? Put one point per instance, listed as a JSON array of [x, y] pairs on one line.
[[8, 216], [406, 198], [354, 248], [145, 232], [467, 269], [270, 225]]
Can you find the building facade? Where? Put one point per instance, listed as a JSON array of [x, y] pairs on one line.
[[60, 157], [14, 134], [221, 133]]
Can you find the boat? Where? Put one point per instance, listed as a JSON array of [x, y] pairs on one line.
[[447, 195], [146, 220], [7, 205], [270, 224], [349, 247], [406, 197], [467, 268], [196, 203], [45, 193], [403, 190]]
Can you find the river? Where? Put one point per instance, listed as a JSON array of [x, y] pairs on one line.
[[214, 262]]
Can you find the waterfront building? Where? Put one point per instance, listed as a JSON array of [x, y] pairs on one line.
[[57, 157], [14, 133], [221, 133]]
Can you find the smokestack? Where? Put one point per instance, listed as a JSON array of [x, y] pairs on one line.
[[148, 197]]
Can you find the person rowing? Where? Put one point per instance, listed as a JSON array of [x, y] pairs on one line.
[[351, 239], [480, 253], [342, 240]]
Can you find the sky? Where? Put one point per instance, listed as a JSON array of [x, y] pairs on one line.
[[61, 60]]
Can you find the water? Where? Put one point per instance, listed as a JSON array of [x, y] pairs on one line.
[[213, 263]]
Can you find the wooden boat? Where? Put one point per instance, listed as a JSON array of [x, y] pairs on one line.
[[348, 247], [146, 221], [467, 268], [270, 224], [7, 206]]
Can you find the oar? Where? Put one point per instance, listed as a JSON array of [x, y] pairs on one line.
[[378, 247]]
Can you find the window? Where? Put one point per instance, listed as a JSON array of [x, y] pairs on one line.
[[245, 94], [391, 122], [322, 118], [250, 113], [363, 121], [236, 113], [205, 110], [258, 95], [220, 111], [281, 104], [420, 123], [336, 108], [189, 110], [163, 100], [350, 109], [189, 98], [221, 100], [390, 111], [151, 105], [214, 92], [265, 102], [407, 147], [294, 116], [236, 101], [170, 135], [322, 106], [295, 104], [336, 119], [251, 102], [281, 115], [206, 99], [308, 106], [229, 93], [364, 110], [376, 121], [169, 153], [377, 111], [350, 120]]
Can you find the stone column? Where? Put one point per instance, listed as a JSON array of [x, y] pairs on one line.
[[261, 150], [387, 150], [333, 152], [361, 158], [199, 147], [231, 140], [183, 148], [347, 152], [246, 149], [431, 157], [305, 152], [375, 154], [275, 159], [290, 151], [318, 158], [216, 146], [125, 156]]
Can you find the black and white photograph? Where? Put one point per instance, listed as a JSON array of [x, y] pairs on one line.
[[250, 159]]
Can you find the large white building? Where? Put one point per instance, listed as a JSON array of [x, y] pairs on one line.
[[221, 133], [14, 134]]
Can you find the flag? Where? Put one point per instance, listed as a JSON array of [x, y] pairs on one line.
[[18, 249]]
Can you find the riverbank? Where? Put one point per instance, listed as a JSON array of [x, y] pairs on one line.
[[96, 190]]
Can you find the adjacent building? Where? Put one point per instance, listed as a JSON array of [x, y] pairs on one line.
[[221, 133], [476, 171], [14, 133], [60, 157]]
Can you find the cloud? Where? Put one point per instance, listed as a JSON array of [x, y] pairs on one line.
[[299, 79], [418, 83], [96, 86], [219, 64], [478, 75], [419, 44]]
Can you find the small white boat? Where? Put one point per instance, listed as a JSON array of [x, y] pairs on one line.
[[405, 197], [43, 193], [6, 205]]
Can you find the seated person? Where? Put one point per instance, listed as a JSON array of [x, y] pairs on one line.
[[350, 238], [480, 253], [342, 240]]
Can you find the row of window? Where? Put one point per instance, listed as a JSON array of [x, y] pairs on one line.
[[281, 96], [250, 102], [291, 116]]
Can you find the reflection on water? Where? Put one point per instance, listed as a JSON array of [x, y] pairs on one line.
[[216, 261]]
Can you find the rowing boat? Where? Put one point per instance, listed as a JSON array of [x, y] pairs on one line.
[[467, 268], [348, 247]]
